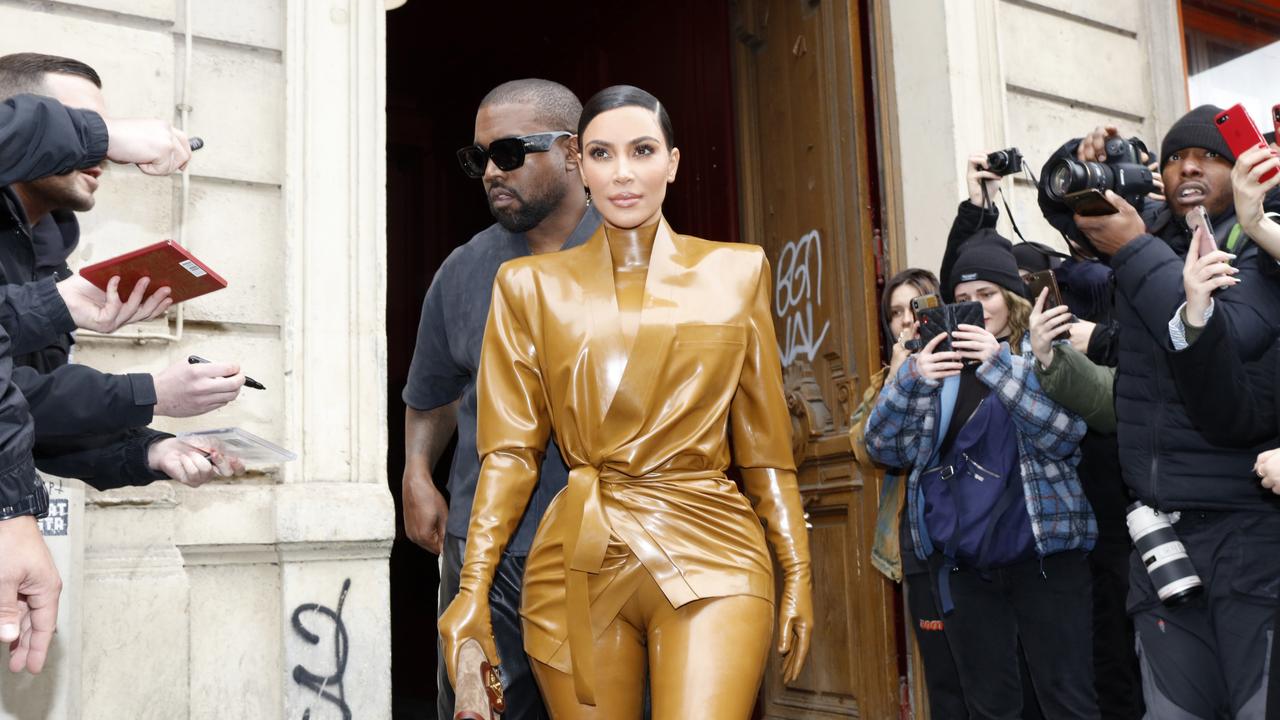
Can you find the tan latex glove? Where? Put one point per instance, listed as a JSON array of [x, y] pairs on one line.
[[777, 503], [506, 480]]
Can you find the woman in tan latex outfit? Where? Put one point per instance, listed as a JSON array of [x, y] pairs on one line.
[[644, 351]]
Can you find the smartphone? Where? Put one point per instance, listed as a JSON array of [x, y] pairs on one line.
[[1241, 134], [924, 302], [1201, 229], [1038, 281], [936, 320], [1275, 120], [1089, 203]]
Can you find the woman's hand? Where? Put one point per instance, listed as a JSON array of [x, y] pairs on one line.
[[795, 617], [1250, 191], [1268, 468], [974, 343], [976, 176], [1080, 333], [1046, 327], [900, 353], [937, 365], [468, 617], [1201, 276]]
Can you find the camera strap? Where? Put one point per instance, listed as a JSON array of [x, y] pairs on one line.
[[986, 203]]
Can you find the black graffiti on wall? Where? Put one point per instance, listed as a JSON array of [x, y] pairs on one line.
[[327, 687]]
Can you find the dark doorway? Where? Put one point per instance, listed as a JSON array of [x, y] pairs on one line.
[[441, 60]]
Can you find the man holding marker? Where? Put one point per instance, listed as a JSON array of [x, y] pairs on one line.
[[50, 165]]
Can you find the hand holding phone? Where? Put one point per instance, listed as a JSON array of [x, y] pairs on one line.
[[1204, 273], [974, 343], [1047, 324], [1045, 280], [1201, 230], [1241, 134], [1090, 202], [936, 364]]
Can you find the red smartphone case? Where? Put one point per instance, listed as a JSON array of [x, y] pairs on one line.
[[167, 263], [1238, 130]]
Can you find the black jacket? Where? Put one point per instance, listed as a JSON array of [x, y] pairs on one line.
[[1232, 402], [38, 137], [89, 424], [1166, 462]]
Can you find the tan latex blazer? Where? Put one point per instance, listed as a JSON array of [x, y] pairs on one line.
[[647, 441]]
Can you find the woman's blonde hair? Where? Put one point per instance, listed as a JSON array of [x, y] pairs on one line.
[[1019, 318]]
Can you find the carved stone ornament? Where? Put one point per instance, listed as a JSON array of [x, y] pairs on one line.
[[810, 417]]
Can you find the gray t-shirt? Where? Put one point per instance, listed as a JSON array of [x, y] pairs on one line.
[[447, 358]]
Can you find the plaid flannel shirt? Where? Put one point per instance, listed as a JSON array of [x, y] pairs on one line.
[[902, 428]]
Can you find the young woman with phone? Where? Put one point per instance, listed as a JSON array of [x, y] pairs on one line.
[[891, 550], [935, 416]]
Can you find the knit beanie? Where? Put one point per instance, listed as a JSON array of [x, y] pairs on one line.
[[1035, 257], [1195, 129], [986, 256]]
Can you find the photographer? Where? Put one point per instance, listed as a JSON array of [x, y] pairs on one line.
[[1208, 655], [892, 552], [942, 411]]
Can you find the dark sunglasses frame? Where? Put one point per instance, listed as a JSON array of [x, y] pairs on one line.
[[506, 153]]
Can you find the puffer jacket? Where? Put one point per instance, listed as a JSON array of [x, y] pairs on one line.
[[1166, 462]]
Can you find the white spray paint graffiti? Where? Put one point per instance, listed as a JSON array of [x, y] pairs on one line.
[[797, 288]]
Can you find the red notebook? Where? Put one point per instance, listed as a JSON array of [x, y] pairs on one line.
[[167, 263]]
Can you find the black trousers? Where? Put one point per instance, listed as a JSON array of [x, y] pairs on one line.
[[519, 688], [1115, 660], [941, 679], [1207, 658], [1046, 604]]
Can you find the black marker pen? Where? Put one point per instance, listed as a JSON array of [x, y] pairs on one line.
[[248, 381]]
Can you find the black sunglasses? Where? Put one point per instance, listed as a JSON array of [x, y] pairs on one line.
[[507, 153]]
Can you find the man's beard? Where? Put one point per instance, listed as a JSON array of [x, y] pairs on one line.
[[528, 214], [60, 192]]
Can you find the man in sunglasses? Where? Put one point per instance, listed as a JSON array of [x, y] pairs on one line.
[[524, 151]]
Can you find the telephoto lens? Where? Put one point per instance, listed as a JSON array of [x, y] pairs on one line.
[[1123, 173], [1163, 554], [1005, 162]]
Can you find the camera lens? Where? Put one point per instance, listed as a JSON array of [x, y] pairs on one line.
[[1067, 176], [1163, 554]]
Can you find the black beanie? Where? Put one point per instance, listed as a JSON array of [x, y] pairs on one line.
[[1196, 129], [986, 256], [1035, 257]]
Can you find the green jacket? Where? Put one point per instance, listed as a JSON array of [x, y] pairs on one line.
[[1080, 386]]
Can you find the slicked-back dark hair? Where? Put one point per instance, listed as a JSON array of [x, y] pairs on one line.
[[618, 96], [24, 72], [553, 103]]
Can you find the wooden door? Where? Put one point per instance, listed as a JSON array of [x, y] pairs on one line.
[[804, 162]]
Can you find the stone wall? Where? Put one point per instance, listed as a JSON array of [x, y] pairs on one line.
[[981, 75]]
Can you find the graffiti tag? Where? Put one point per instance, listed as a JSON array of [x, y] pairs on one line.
[[797, 289], [321, 684]]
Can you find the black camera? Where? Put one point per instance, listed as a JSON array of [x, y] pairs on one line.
[[1123, 173], [1005, 162]]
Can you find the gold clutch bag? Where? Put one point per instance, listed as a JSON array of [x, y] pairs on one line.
[[478, 690]]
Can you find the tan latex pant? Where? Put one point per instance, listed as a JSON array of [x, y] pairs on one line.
[[704, 660]]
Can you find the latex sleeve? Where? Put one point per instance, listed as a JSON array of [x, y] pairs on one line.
[[512, 429]]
